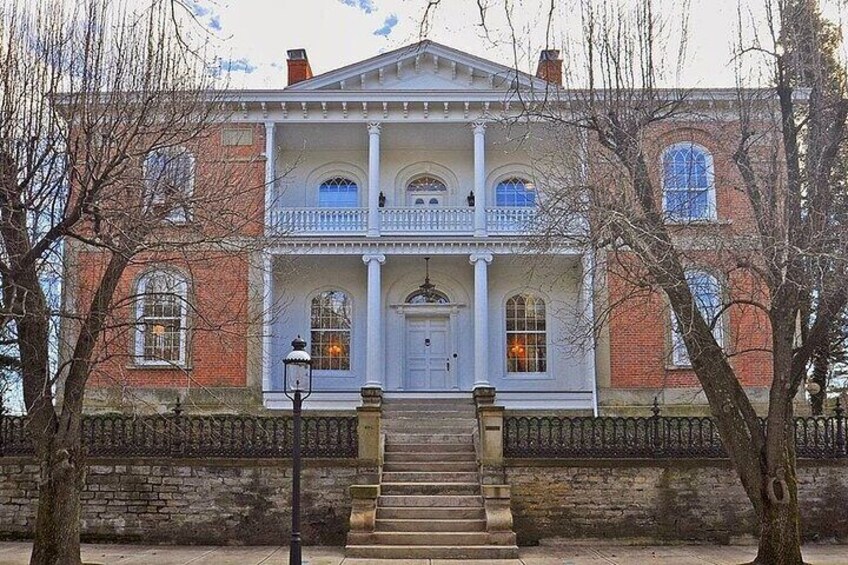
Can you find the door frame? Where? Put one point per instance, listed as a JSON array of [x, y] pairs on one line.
[[450, 311]]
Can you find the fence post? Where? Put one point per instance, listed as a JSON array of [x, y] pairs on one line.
[[655, 427], [177, 443], [840, 428], [369, 434], [2, 421], [490, 420]]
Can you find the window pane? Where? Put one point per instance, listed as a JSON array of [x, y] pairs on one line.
[[338, 193], [515, 192], [687, 180], [526, 339], [426, 184], [707, 294], [160, 323], [169, 175], [330, 334]]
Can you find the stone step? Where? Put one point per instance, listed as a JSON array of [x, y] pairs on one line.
[[428, 447], [430, 467], [427, 538], [488, 552], [411, 426], [430, 525], [415, 476], [428, 500], [429, 488], [431, 513], [425, 437], [466, 456]]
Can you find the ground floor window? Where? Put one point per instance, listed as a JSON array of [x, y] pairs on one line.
[[330, 331], [526, 334], [161, 319]]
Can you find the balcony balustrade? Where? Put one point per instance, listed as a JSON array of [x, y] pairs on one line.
[[400, 221]]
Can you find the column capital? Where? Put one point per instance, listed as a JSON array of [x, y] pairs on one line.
[[479, 127], [270, 125], [379, 257], [481, 256], [374, 128]]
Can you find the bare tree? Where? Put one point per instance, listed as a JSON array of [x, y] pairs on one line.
[[88, 92], [785, 262]]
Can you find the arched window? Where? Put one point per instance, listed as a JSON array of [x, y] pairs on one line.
[[515, 192], [338, 192], [161, 315], [688, 183], [707, 293], [426, 190], [169, 182], [431, 296], [526, 334], [330, 331]]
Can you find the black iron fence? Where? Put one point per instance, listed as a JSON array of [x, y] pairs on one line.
[[653, 437], [179, 435]]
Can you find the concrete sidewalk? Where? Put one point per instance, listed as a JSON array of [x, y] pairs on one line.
[[17, 553]]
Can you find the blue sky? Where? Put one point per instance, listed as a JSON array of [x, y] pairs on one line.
[[253, 35]]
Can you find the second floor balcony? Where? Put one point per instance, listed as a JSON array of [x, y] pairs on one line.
[[402, 221]]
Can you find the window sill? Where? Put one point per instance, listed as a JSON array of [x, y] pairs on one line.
[[529, 375], [157, 367], [346, 374], [699, 222]]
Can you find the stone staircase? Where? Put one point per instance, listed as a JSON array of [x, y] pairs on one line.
[[430, 502]]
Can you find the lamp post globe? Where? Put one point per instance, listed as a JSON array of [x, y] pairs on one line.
[[297, 382]]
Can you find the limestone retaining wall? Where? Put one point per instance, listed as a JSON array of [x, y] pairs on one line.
[[661, 500], [215, 501]]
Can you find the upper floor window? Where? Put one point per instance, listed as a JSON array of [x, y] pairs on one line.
[[330, 331], [515, 192], [169, 182], [688, 183], [526, 334], [426, 191], [161, 313], [707, 294], [338, 192]]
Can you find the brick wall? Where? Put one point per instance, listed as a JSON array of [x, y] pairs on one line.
[[228, 207], [220, 501], [639, 324], [661, 500]]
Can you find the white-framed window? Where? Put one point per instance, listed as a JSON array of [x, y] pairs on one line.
[[330, 331], [526, 334], [169, 182], [338, 192], [707, 293], [688, 183], [515, 192], [426, 191], [161, 319]]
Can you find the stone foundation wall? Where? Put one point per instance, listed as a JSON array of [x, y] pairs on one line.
[[190, 501], [661, 500]]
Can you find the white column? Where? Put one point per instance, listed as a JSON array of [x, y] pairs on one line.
[[481, 317], [270, 175], [267, 305], [374, 322], [587, 299], [374, 179], [479, 179]]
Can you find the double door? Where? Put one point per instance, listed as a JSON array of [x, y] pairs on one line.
[[430, 361]]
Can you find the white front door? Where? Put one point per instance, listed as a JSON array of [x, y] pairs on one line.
[[428, 355]]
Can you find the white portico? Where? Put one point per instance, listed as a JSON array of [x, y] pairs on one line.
[[374, 168]]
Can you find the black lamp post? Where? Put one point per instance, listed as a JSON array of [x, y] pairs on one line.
[[297, 368]]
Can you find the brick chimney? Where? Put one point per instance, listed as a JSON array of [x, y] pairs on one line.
[[298, 63], [550, 66]]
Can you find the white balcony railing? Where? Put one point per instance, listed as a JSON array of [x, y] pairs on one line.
[[307, 221], [510, 220], [401, 221], [414, 221]]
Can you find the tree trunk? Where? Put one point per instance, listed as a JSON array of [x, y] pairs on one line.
[[57, 528], [780, 518]]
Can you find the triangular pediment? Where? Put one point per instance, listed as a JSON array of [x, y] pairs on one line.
[[423, 66]]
